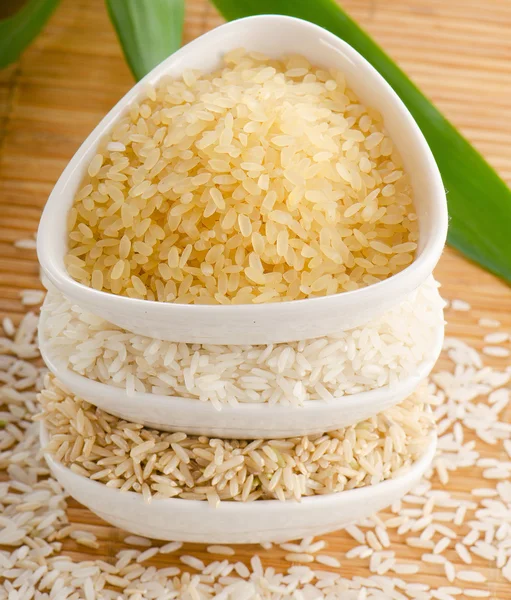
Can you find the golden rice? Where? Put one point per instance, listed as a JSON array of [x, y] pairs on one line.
[[261, 182]]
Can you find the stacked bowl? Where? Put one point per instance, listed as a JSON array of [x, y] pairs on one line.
[[229, 416]]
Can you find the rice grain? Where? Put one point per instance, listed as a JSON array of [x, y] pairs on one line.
[[240, 186], [384, 352]]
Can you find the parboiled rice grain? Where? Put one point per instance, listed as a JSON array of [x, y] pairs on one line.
[[248, 184]]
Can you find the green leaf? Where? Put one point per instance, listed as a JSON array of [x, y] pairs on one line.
[[19, 29], [149, 30], [479, 201]]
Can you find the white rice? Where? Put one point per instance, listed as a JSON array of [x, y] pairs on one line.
[[26, 244], [328, 561], [460, 305], [35, 561], [32, 297], [136, 540], [381, 353], [221, 550], [496, 351], [485, 322]]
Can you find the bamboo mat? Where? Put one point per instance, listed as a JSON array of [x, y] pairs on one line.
[[458, 51]]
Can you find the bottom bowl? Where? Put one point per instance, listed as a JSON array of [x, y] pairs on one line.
[[235, 522]]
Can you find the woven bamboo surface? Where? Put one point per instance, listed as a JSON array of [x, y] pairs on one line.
[[458, 51]]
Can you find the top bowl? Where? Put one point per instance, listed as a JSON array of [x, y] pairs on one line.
[[275, 36]]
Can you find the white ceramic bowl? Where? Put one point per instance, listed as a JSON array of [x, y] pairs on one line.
[[235, 522], [279, 322], [244, 421]]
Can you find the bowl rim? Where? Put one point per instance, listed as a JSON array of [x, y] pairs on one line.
[[202, 506], [419, 268], [71, 378]]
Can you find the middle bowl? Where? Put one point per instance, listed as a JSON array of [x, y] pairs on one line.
[[243, 421]]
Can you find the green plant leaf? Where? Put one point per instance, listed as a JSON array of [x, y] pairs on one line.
[[479, 201], [20, 28], [149, 30]]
